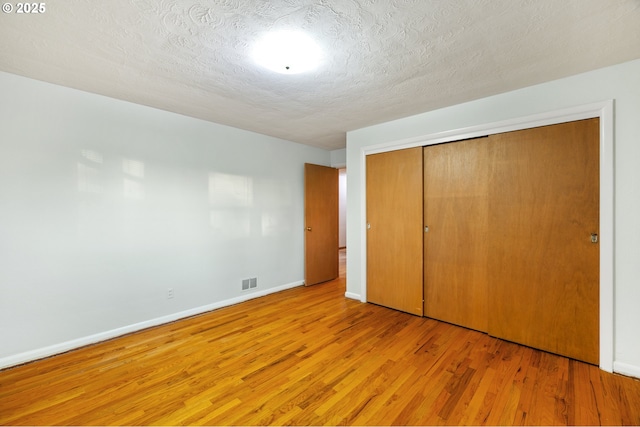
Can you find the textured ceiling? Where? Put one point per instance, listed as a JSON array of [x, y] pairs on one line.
[[384, 59]]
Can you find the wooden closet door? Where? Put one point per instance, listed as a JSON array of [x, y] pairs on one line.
[[394, 235], [543, 265], [456, 185]]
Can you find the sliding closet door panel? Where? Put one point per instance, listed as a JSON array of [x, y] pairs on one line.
[[455, 245], [394, 235], [543, 260]]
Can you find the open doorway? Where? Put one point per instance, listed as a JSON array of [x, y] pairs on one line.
[[342, 222], [342, 209]]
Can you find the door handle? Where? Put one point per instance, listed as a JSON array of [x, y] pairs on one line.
[[594, 237], [308, 228]]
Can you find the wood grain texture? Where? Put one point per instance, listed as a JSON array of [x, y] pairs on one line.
[[544, 269], [394, 240], [321, 224], [456, 209], [308, 356]]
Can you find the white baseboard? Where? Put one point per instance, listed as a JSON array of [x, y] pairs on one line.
[[63, 347], [352, 295], [626, 369]]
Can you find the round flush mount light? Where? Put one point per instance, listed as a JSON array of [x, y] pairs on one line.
[[287, 52]]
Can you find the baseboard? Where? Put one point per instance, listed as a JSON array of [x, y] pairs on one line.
[[30, 356], [352, 295], [626, 369]]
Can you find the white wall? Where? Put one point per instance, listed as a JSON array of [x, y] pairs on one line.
[[104, 205], [620, 83], [339, 158]]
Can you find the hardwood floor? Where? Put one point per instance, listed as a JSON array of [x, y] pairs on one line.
[[308, 356]]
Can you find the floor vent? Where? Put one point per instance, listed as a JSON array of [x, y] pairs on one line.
[[249, 283]]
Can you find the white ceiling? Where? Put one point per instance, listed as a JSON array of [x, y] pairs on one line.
[[385, 59]]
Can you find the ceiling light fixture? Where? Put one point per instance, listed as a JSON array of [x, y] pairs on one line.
[[287, 52]]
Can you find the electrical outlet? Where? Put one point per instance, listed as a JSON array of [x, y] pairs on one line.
[[169, 293], [245, 284], [253, 282]]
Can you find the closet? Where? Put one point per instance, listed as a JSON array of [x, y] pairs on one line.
[[509, 236]]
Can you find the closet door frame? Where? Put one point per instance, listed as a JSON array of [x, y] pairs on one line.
[[602, 110]]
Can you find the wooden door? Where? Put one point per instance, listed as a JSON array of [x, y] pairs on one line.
[[543, 266], [321, 224], [394, 235], [456, 185]]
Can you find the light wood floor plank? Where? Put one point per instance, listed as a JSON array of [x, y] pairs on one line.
[[308, 356]]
